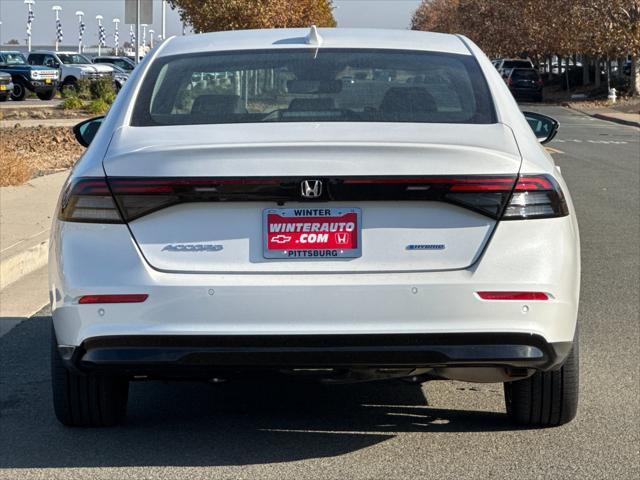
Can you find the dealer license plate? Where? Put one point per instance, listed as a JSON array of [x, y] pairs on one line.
[[311, 232]]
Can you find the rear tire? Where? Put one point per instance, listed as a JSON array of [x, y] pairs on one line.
[[69, 84], [19, 91], [546, 399], [48, 95], [93, 400]]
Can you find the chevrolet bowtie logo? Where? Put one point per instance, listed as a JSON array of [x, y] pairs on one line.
[[311, 188], [281, 239]]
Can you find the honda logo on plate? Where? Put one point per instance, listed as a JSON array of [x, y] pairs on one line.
[[311, 188]]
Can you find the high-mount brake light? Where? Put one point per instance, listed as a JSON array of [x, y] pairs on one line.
[[88, 200], [536, 196]]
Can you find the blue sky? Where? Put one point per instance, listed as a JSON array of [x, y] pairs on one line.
[[349, 13]]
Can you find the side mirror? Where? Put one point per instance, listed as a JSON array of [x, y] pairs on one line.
[[544, 128], [85, 131]]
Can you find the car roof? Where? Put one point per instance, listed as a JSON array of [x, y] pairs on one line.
[[331, 38], [9, 51], [53, 52]]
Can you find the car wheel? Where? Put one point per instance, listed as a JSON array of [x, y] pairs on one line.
[[69, 85], [93, 400], [19, 91], [48, 95], [546, 399], [538, 98], [3, 98]]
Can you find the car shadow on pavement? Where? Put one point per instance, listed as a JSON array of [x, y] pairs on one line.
[[198, 424]]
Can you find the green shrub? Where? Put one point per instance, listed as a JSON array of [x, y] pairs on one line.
[[109, 97], [68, 93], [98, 106], [102, 88], [83, 89], [72, 103]]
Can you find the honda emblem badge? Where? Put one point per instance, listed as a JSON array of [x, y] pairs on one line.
[[311, 188]]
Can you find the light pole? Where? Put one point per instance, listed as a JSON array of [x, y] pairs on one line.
[[163, 31], [116, 36], [151, 32], [81, 27], [132, 40], [144, 37], [30, 17], [58, 9], [101, 39]]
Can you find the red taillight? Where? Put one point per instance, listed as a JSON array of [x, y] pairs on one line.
[[536, 196], [120, 298], [485, 194], [513, 295], [509, 82], [88, 200]]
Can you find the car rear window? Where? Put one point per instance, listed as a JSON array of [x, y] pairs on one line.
[[305, 85], [524, 75], [516, 64]]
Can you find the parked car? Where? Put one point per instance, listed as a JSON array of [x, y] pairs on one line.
[[73, 66], [43, 81], [124, 63], [308, 229], [503, 64], [6, 86], [525, 83], [120, 77]]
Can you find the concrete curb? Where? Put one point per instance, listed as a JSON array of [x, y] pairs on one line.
[[616, 120], [23, 258], [602, 116]]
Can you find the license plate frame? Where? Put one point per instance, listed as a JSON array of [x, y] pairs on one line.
[[316, 251]]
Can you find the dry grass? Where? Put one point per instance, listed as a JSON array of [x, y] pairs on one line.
[[34, 151], [14, 169]]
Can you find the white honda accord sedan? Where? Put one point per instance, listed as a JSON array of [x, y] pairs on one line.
[[347, 205]]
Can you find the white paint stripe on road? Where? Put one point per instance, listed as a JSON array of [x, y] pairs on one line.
[[599, 142]]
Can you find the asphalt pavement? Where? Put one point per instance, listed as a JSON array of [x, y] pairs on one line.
[[387, 430], [29, 103]]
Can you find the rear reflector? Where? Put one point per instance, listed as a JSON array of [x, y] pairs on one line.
[[125, 298], [513, 295]]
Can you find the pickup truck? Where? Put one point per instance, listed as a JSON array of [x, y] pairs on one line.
[[73, 66], [6, 86], [43, 81]]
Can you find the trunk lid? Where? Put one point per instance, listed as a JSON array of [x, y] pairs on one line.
[[387, 175]]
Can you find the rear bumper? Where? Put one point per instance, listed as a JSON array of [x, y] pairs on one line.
[[182, 354], [524, 92]]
